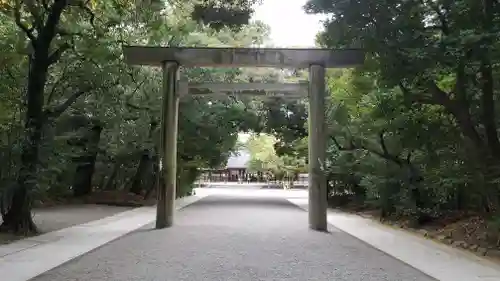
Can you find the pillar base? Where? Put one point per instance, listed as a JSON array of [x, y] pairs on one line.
[[319, 228]]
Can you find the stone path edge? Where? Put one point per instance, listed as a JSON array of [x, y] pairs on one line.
[[437, 260], [27, 258]]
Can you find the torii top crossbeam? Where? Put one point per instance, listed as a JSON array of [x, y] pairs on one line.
[[243, 57]]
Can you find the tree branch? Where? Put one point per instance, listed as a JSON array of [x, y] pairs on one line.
[[337, 144], [460, 111], [408, 157], [418, 98], [49, 30], [136, 107], [63, 33], [59, 109], [442, 18], [384, 154], [56, 84], [460, 83], [20, 24], [438, 95], [83, 5], [382, 142], [35, 13], [56, 55], [45, 4]]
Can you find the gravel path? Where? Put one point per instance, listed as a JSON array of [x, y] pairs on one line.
[[240, 239]]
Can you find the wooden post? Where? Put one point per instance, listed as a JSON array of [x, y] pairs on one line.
[[166, 191], [317, 149]]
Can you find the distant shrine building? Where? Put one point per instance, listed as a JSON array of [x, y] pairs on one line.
[[236, 170]]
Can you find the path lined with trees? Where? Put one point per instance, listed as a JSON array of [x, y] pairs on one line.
[[236, 237], [413, 133]]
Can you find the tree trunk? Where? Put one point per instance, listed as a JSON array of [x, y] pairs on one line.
[[18, 217], [140, 178], [111, 180], [153, 175], [85, 170], [101, 182]]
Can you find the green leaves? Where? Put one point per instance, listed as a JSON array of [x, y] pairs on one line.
[[340, 115], [218, 14], [264, 157], [412, 128], [91, 80]]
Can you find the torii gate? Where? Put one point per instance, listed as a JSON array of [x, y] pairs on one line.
[[315, 59]]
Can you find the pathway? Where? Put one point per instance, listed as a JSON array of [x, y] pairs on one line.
[[234, 237], [242, 233]]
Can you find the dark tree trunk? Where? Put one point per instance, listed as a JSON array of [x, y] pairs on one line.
[[140, 178], [487, 81], [110, 183], [102, 182], [18, 217], [152, 173], [85, 168], [154, 177], [83, 177]]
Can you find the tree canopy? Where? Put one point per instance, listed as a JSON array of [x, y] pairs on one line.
[[414, 131], [75, 119]]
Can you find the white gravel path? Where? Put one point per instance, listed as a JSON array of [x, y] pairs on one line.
[[236, 238]]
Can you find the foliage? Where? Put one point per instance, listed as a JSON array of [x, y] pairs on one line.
[[414, 131], [218, 14], [264, 159], [74, 118]]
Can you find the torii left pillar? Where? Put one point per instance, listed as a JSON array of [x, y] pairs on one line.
[[168, 147]]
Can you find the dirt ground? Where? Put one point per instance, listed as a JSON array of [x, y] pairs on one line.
[[464, 231], [58, 217]]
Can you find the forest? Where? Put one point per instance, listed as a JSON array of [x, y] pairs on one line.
[[412, 133], [76, 120]]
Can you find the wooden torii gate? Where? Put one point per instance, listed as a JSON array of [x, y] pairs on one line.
[[316, 60]]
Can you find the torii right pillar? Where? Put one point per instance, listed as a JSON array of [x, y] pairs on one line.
[[318, 200]]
